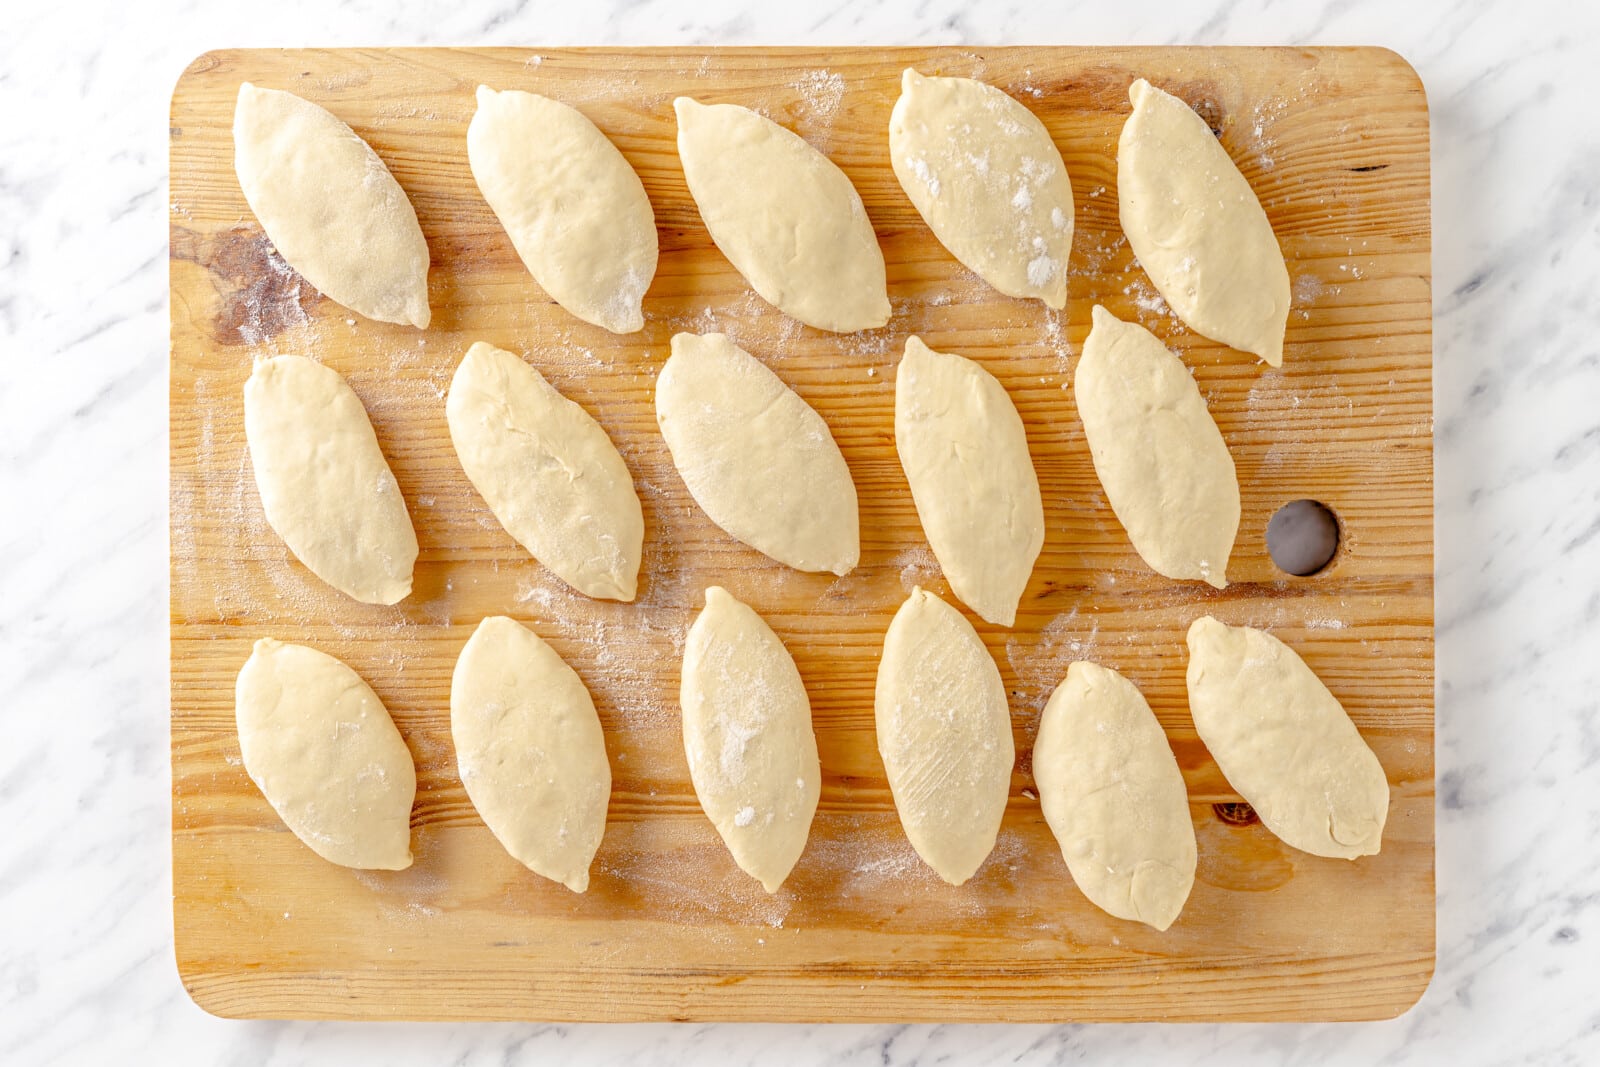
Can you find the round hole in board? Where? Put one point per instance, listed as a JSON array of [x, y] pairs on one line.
[[1302, 537]]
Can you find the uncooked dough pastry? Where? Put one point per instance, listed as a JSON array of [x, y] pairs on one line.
[[330, 207], [988, 180], [1284, 742], [548, 471], [944, 732], [1114, 797], [784, 215], [747, 733], [530, 750], [1164, 465], [320, 746], [965, 454], [1197, 227], [756, 458], [573, 207], [324, 484]]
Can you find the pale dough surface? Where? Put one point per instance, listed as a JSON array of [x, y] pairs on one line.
[[756, 458], [785, 216], [330, 206], [747, 734], [1161, 459], [1114, 797], [325, 486], [944, 732], [1284, 742], [320, 746], [965, 453], [530, 750], [1197, 227], [986, 177], [574, 209], [548, 471]]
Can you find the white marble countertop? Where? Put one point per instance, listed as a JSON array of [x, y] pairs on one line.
[[86, 962]]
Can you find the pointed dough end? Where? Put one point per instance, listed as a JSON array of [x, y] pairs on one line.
[[395, 865], [1138, 91], [685, 106], [957, 880], [579, 882], [485, 94], [392, 595], [1200, 627], [632, 322], [909, 79], [997, 616]]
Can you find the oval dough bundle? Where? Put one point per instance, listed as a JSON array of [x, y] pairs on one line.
[[965, 454], [1284, 742], [784, 215], [530, 750], [1164, 465], [548, 471], [747, 734], [573, 207], [756, 458], [988, 180], [320, 746], [1114, 797], [1197, 227], [330, 207], [324, 484], [944, 732]]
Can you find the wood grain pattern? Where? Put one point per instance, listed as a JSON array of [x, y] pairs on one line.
[[1336, 144]]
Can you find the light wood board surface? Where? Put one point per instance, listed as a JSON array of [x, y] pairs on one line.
[[1334, 141]]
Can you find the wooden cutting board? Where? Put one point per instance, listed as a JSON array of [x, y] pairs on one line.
[[1335, 141]]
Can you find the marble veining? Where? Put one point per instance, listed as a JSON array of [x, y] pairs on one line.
[[86, 964]]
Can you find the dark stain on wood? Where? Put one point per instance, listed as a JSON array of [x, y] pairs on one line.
[[261, 295]]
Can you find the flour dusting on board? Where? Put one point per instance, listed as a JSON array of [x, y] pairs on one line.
[[917, 566], [272, 301], [822, 91], [1040, 664], [698, 885]]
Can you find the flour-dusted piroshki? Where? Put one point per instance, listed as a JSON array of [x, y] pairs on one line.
[[530, 750], [1114, 797], [756, 458], [330, 206], [320, 746], [1284, 742], [574, 209], [786, 217], [325, 486], [548, 471], [944, 732], [1197, 227], [1161, 459], [986, 177], [747, 734]]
